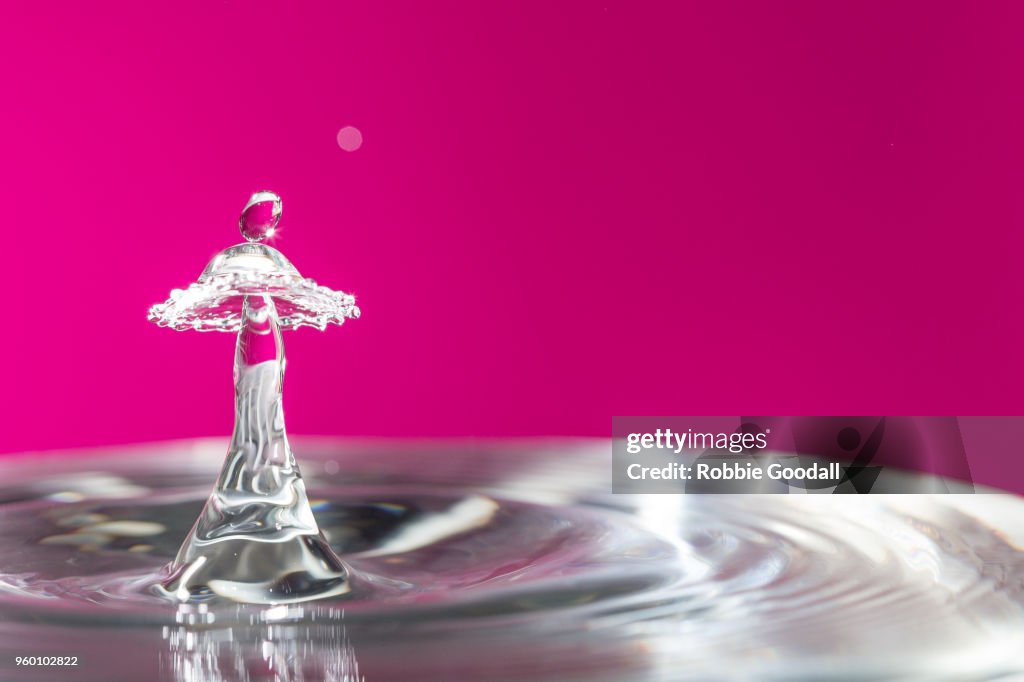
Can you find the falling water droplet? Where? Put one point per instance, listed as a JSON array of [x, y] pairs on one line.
[[260, 216], [350, 138]]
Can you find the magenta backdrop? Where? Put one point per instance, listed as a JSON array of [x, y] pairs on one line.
[[560, 212]]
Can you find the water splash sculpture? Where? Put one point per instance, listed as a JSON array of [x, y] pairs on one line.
[[256, 540]]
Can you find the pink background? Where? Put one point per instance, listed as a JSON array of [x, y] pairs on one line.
[[560, 212]]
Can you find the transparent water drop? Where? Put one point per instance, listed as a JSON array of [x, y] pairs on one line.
[[260, 216]]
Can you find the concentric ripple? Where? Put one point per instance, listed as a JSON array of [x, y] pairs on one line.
[[513, 562]]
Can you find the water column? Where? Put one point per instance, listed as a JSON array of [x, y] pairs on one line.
[[256, 539]]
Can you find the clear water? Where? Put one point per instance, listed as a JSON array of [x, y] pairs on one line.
[[256, 540], [214, 302], [260, 216], [510, 561]]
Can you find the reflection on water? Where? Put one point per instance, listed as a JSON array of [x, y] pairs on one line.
[[287, 643], [513, 562]]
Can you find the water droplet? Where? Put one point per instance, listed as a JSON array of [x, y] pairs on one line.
[[350, 139], [260, 216]]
